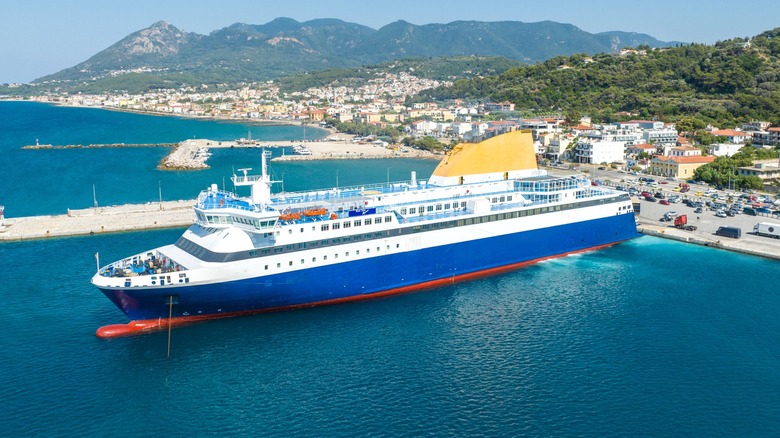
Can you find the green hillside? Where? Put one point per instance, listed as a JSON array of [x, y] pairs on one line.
[[726, 83]]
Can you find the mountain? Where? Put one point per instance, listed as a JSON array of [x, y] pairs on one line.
[[245, 53]]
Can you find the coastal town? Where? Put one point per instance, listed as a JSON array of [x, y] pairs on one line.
[[650, 146]]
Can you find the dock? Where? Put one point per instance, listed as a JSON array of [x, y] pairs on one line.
[[707, 223], [131, 217]]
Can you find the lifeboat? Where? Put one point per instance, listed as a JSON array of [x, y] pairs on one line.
[[315, 212], [290, 217]]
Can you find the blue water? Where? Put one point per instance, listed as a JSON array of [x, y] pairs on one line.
[[51, 181], [647, 338]]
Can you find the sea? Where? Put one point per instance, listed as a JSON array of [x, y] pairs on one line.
[[650, 337]]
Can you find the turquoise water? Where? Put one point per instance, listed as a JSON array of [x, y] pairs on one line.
[[647, 338], [50, 181]]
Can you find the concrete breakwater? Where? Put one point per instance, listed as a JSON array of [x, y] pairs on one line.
[[130, 217], [101, 145], [186, 155]]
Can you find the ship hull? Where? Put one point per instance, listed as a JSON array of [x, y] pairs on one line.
[[370, 277]]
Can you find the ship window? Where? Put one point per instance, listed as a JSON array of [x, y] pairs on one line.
[[388, 219], [325, 227], [347, 224], [494, 200], [509, 198], [447, 206], [336, 226], [301, 229], [429, 208], [346, 254], [301, 261], [377, 248], [502, 199], [397, 245], [412, 210], [357, 252], [266, 267], [290, 263], [358, 222], [314, 259], [438, 207], [278, 265], [421, 209], [463, 204], [336, 255], [324, 257], [289, 231], [403, 211]]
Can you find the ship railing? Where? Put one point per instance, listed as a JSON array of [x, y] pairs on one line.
[[209, 200], [345, 192], [150, 263]]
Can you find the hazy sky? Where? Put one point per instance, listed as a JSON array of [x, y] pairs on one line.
[[40, 37]]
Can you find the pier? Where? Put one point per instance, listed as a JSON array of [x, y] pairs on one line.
[[131, 217]]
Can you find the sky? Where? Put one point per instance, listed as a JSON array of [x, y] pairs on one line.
[[41, 37]]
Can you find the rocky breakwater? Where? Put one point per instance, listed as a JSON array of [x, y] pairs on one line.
[[187, 155]]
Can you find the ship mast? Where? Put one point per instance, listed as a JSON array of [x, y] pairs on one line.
[[260, 185]]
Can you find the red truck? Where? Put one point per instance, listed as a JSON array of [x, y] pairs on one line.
[[681, 222]]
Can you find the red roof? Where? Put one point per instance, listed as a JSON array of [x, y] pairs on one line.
[[729, 133], [690, 159]]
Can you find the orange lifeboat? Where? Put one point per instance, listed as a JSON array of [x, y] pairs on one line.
[[290, 217], [315, 212]]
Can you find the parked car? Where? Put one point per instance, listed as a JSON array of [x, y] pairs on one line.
[[649, 198], [698, 210], [720, 213], [733, 232], [664, 202]]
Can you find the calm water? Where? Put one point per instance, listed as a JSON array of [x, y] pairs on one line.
[[648, 338], [34, 182]]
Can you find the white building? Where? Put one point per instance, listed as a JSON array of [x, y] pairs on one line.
[[724, 149], [661, 136], [598, 152]]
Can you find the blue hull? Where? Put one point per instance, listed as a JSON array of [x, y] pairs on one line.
[[363, 278]]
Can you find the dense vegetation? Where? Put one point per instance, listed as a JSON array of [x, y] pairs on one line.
[[722, 172], [723, 84]]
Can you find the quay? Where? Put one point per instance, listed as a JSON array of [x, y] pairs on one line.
[[706, 224], [132, 217]]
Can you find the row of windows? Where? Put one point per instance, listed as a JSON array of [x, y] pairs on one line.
[[210, 256], [357, 223], [222, 219], [335, 256]]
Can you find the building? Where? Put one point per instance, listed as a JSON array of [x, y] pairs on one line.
[[770, 137], [678, 166], [764, 169], [724, 149], [499, 106], [660, 136], [684, 151], [732, 135], [637, 149], [597, 152]]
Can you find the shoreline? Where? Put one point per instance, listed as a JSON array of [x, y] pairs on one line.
[[244, 120]]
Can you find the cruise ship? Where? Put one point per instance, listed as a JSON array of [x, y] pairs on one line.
[[486, 209]]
